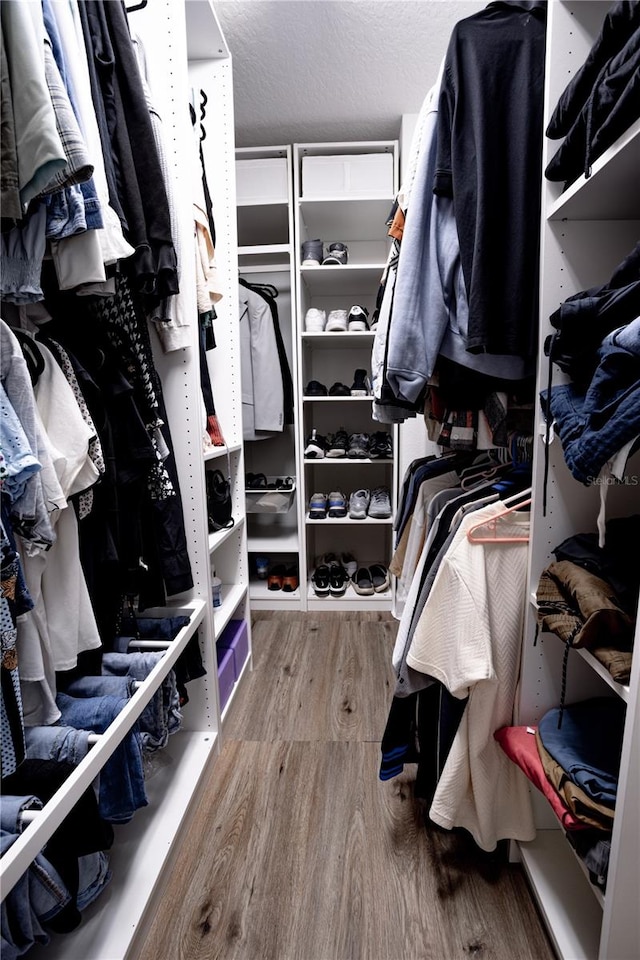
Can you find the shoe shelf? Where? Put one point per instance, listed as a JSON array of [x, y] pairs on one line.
[[353, 280], [330, 339], [348, 202], [346, 218], [258, 590], [346, 461], [333, 399], [366, 521], [273, 540]]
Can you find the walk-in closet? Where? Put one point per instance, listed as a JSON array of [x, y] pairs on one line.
[[319, 475]]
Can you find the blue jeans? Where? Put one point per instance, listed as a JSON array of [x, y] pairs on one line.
[[162, 715], [594, 425], [38, 895], [57, 743], [122, 790]]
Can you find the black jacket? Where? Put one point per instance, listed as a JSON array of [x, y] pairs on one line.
[[489, 160], [612, 106]]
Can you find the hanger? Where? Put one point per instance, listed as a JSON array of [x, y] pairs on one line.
[[486, 531], [137, 6], [31, 353]]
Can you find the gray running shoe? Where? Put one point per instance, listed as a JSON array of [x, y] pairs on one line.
[[318, 506], [358, 446], [380, 505], [359, 504]]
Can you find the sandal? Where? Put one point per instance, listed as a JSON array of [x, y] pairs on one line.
[[275, 578], [258, 482], [362, 582], [379, 577], [286, 484]]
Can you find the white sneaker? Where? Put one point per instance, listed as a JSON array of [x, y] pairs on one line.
[[315, 320], [337, 320]]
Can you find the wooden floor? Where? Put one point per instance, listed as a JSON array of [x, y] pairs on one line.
[[297, 850]]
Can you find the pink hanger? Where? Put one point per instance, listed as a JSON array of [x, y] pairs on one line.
[[491, 527]]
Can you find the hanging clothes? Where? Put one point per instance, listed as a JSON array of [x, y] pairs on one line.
[[261, 372]]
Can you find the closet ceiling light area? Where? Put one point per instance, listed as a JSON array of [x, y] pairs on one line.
[[335, 69]]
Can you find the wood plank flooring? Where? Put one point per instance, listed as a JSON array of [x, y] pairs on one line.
[[297, 851]]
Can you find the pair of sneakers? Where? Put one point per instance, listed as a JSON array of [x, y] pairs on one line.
[[313, 254], [338, 321], [330, 578], [374, 503], [333, 505]]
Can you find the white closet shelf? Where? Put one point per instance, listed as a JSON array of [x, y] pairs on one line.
[[16, 860], [217, 539], [334, 219], [139, 856], [232, 595], [216, 452], [274, 540], [264, 249], [620, 688], [369, 521], [348, 280], [335, 399], [345, 461], [205, 40], [331, 338], [561, 890], [611, 192], [258, 590]]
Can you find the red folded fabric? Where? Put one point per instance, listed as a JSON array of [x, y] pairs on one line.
[[521, 747]]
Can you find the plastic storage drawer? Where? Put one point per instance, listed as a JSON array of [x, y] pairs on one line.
[[226, 674], [235, 637]]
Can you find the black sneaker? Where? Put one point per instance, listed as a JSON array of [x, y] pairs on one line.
[[358, 318], [380, 447], [361, 386], [316, 446], [315, 389], [338, 580], [338, 444]]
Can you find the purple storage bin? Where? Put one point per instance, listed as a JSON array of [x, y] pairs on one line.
[[235, 637], [226, 674]]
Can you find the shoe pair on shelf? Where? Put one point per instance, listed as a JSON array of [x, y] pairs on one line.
[[374, 503], [283, 577], [259, 481], [322, 505], [361, 387], [330, 577], [337, 321], [355, 446], [313, 254], [372, 579]]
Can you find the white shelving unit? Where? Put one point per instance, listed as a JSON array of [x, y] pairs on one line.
[[586, 232], [330, 357], [265, 234], [185, 49]]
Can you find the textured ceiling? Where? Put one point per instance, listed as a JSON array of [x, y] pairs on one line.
[[330, 70]]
